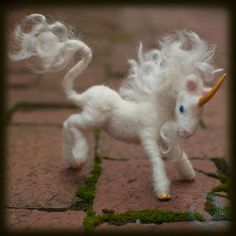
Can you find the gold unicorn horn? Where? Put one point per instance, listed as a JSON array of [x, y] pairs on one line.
[[205, 98]]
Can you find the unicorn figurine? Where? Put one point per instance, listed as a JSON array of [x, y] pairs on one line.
[[158, 105]]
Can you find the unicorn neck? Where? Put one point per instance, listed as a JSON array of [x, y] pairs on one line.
[[165, 102]]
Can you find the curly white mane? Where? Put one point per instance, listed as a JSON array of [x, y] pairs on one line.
[[182, 53]]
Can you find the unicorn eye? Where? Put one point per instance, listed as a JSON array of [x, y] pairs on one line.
[[181, 108]]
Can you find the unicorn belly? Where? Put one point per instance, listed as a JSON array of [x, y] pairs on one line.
[[122, 131]]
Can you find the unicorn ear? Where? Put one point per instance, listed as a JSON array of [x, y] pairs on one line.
[[191, 84]]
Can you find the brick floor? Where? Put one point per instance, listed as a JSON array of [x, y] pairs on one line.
[[36, 177]]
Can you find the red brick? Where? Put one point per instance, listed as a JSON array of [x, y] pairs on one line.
[[208, 143], [154, 20], [36, 175], [34, 95], [129, 227], [195, 226], [127, 185], [22, 219], [204, 165], [21, 79], [165, 227]]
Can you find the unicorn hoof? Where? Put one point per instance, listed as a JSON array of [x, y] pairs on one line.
[[77, 165], [190, 179], [164, 197]]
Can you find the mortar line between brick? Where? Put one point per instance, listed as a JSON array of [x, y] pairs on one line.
[[209, 174], [62, 209], [34, 106], [35, 125]]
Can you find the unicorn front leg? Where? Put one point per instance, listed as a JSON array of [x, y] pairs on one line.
[[161, 181]]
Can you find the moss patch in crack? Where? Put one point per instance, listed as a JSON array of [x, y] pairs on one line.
[[213, 175], [97, 133], [114, 158], [143, 216], [202, 124], [151, 216], [219, 212], [92, 220], [113, 75], [223, 175], [221, 165], [87, 193]]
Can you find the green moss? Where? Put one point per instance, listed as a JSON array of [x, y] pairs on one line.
[[87, 192], [202, 124], [113, 75], [151, 216], [92, 220], [97, 133], [144, 216], [221, 188], [221, 165], [219, 213], [223, 175]]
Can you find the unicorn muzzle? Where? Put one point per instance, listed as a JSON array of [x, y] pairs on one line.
[[184, 134]]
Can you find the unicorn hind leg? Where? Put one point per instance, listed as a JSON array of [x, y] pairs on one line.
[[75, 143], [185, 168]]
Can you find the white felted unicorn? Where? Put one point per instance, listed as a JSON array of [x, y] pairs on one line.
[[158, 105]]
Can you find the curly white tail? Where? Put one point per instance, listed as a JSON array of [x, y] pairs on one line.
[[51, 47]]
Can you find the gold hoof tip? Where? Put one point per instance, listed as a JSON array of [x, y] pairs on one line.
[[190, 179], [77, 165], [164, 197]]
